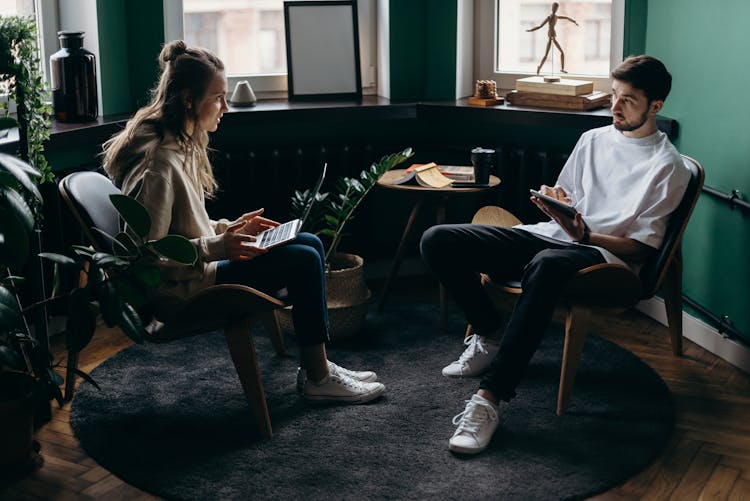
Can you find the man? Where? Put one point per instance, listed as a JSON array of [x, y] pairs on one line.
[[624, 180]]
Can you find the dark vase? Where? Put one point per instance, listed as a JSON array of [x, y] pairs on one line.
[[73, 75]]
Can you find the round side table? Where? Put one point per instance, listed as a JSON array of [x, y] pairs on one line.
[[422, 194]]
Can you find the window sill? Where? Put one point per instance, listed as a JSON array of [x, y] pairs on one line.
[[70, 135]]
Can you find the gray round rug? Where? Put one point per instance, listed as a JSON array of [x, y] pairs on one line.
[[172, 420]]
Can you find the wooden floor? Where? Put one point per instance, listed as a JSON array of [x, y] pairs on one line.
[[708, 455]]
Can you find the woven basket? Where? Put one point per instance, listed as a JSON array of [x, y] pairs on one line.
[[347, 298]]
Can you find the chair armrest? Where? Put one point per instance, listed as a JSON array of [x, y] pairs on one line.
[[214, 307], [606, 284], [495, 216]]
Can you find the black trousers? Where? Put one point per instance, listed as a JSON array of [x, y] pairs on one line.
[[457, 253]]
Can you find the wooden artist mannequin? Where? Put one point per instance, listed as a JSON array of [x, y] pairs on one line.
[[551, 21]]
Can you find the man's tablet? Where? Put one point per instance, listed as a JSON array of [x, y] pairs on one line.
[[562, 207]]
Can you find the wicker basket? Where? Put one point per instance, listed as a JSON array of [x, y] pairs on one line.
[[347, 298]]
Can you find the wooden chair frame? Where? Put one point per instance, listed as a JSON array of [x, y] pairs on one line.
[[592, 292], [231, 308]]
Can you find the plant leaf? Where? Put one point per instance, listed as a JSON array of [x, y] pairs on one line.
[[14, 247], [133, 213], [86, 252], [130, 291], [110, 303], [109, 238], [176, 248], [22, 172], [10, 318], [127, 244], [131, 324], [147, 275], [59, 258], [17, 207], [104, 260]]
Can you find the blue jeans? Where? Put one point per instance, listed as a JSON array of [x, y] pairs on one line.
[[300, 267], [457, 253]]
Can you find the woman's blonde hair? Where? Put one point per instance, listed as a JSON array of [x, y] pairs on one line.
[[186, 73]]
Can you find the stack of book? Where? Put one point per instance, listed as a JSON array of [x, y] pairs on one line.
[[565, 94]]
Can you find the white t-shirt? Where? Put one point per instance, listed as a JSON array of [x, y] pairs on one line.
[[622, 186]]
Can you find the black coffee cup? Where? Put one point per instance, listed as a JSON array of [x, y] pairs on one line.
[[482, 159]]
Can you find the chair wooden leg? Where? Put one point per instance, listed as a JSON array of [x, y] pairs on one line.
[[576, 328], [70, 376], [271, 324], [468, 331], [242, 350], [672, 290]]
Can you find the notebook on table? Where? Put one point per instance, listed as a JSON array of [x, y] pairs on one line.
[[289, 230]]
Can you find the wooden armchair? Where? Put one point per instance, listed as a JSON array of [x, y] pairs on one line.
[[607, 287], [231, 308]]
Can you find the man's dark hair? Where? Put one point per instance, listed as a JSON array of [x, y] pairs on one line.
[[647, 74]]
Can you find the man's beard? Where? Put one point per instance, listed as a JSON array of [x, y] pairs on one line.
[[628, 127]]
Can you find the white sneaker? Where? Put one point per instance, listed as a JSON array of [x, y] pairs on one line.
[[475, 359], [361, 376], [476, 424], [338, 387]]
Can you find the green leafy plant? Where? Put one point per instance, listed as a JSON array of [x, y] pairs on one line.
[[115, 283], [332, 211], [19, 351], [22, 78]]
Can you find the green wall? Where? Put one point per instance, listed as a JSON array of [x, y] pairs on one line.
[[705, 48], [130, 36], [423, 49]]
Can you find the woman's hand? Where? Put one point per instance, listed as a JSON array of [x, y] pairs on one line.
[[252, 223], [239, 246]]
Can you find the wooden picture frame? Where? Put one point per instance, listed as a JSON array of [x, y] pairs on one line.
[[322, 50]]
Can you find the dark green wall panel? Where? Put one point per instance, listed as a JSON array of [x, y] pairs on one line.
[[130, 37], [705, 48], [113, 56], [145, 35], [423, 49]]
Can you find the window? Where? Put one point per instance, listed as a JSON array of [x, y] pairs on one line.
[[506, 51], [249, 36], [47, 26]]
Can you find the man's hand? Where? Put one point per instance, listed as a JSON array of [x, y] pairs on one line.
[[252, 223], [575, 226]]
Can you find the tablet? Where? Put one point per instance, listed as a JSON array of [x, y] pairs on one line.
[[277, 235], [562, 207]]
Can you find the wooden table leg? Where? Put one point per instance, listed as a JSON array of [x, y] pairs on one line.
[[400, 252]]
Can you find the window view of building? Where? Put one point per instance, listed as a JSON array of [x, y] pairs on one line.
[[248, 35], [586, 46], [16, 7]]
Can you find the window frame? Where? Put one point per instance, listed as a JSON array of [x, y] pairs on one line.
[[485, 29], [273, 86]]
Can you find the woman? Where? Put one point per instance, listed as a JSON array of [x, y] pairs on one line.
[[160, 158]]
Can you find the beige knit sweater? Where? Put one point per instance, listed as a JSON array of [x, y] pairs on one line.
[[176, 206]]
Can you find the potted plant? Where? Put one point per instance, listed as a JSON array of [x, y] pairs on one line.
[[113, 283], [24, 363], [346, 291]]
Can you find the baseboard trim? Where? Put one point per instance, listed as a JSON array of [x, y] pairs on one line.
[[701, 334]]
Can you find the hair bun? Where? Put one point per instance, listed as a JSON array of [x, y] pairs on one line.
[[171, 50]]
